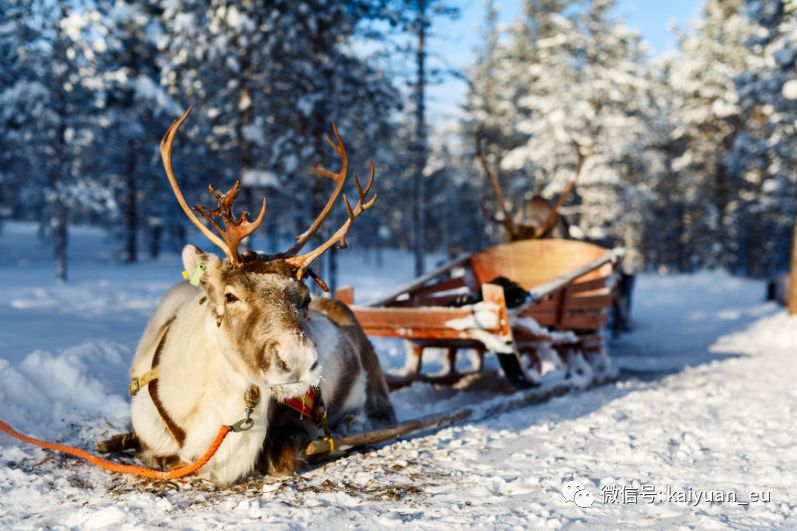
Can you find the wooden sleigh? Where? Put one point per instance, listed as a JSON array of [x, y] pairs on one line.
[[560, 324]]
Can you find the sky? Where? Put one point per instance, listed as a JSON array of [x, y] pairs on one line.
[[454, 41]]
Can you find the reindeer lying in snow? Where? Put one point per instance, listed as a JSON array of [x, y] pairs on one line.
[[245, 337]]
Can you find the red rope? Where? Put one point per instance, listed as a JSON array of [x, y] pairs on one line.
[[178, 472]]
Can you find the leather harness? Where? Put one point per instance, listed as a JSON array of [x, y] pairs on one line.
[[150, 379]]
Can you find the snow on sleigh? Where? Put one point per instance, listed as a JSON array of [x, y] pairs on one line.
[[540, 306]]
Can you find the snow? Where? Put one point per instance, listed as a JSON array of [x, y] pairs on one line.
[[533, 327], [703, 404], [484, 316], [252, 177], [790, 89]]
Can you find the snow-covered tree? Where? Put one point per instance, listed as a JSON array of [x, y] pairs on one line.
[[133, 109], [269, 79], [708, 116], [48, 111], [764, 152], [576, 86], [503, 76]]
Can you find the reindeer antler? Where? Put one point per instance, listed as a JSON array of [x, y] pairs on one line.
[[235, 230], [302, 262], [508, 222], [550, 219], [339, 178]]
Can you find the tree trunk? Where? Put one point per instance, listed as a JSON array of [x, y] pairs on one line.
[[792, 298], [420, 141], [333, 269], [59, 208], [131, 206], [155, 241], [245, 160], [60, 234]]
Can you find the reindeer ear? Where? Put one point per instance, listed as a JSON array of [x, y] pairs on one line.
[[192, 257], [198, 264]]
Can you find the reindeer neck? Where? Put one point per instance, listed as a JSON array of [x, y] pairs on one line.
[[202, 377]]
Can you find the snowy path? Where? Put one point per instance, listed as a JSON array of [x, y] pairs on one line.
[[714, 412]]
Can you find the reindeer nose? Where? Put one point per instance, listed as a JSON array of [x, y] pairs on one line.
[[315, 365]]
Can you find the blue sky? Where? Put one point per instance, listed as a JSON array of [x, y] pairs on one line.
[[454, 41]]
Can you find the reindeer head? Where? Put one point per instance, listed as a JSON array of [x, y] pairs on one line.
[[538, 215], [260, 304]]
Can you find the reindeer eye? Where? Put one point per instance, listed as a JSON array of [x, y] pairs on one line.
[[306, 301], [229, 297]]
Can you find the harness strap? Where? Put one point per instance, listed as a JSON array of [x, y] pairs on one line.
[[304, 405], [178, 434], [311, 405], [137, 383], [150, 379]]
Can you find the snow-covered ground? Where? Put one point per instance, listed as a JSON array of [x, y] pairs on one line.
[[705, 407]]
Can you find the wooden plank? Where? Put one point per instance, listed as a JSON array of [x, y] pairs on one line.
[[592, 292], [584, 321], [495, 294], [550, 304], [434, 299], [532, 263], [409, 317], [545, 319], [590, 285], [547, 311], [415, 323], [589, 302], [561, 281], [439, 287], [419, 334], [345, 294], [420, 281]]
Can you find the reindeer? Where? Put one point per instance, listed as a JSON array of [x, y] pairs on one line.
[[538, 217], [245, 335]]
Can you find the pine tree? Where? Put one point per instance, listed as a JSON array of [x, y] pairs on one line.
[[270, 79], [578, 88], [764, 150], [134, 109], [49, 106], [708, 117]]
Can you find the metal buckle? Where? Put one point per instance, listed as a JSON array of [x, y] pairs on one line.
[[134, 387], [244, 424]]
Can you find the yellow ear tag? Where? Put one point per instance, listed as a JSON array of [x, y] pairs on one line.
[[196, 275]]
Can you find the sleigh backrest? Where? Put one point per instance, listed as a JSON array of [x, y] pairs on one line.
[[534, 262], [580, 305]]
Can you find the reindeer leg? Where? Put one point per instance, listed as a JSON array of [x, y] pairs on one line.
[[287, 436]]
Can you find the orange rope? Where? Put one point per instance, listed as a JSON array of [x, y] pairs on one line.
[[175, 473]]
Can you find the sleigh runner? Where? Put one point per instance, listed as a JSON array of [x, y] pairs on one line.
[[560, 295]]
